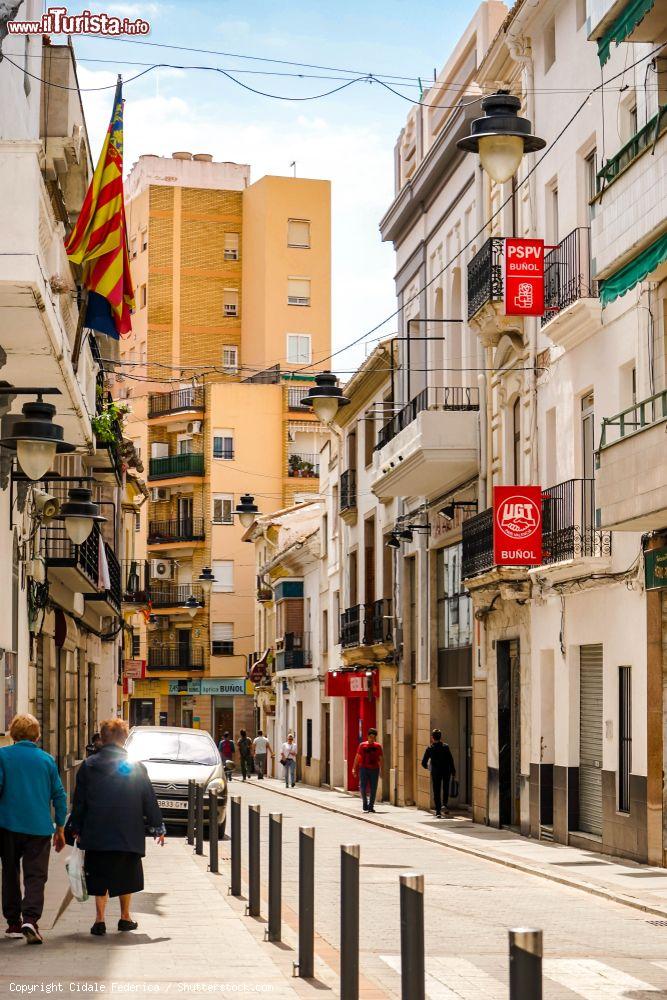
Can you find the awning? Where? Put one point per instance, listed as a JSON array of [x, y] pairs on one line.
[[635, 271], [626, 22]]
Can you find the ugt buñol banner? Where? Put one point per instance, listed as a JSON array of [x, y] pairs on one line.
[[517, 525]]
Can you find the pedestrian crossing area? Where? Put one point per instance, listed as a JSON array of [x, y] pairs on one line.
[[455, 978]]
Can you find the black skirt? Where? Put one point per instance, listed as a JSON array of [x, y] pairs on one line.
[[115, 872]]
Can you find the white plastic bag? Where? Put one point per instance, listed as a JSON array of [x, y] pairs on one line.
[[76, 875]]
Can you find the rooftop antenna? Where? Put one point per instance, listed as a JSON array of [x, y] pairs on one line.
[[293, 166]]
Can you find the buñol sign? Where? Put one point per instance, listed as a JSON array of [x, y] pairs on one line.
[[524, 277], [517, 525]]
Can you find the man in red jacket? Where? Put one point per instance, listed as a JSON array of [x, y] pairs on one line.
[[367, 764]]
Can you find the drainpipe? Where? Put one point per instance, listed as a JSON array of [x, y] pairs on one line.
[[483, 431]]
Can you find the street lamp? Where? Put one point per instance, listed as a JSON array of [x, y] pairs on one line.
[[449, 509], [247, 510], [393, 542], [206, 579], [501, 137], [35, 437], [192, 605], [79, 512], [325, 397]]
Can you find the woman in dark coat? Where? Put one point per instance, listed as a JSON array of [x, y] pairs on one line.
[[113, 804]]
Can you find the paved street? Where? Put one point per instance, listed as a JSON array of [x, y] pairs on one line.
[[194, 938]]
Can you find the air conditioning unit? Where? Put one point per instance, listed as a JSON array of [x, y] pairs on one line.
[[159, 493], [162, 569], [193, 427]]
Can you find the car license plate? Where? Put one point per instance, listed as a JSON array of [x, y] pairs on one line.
[[172, 804]]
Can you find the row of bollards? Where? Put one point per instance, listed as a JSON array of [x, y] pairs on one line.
[[525, 944]]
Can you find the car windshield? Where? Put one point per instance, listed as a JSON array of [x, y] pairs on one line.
[[183, 748]]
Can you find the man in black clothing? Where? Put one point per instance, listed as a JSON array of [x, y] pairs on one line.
[[442, 770]]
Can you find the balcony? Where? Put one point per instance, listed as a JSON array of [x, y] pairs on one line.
[[351, 625], [164, 404], [430, 445], [190, 529], [379, 623], [303, 466], [78, 568], [455, 635], [630, 211], [348, 496], [176, 466], [632, 467], [295, 399], [569, 531], [135, 581], [175, 595], [367, 632], [293, 652], [571, 303], [477, 534], [614, 21], [175, 657]]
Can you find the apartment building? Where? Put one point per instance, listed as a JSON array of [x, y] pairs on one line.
[[60, 639], [233, 303]]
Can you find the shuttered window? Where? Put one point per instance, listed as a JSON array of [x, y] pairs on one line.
[[223, 504], [223, 571], [222, 638], [298, 233], [590, 739], [231, 246], [230, 360], [230, 302], [624, 738], [298, 348], [298, 291], [223, 444]]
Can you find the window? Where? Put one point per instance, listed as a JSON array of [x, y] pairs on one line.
[[298, 348], [137, 521], [184, 444], [222, 638], [624, 738], [298, 233], [369, 437], [223, 508], [231, 251], [223, 571], [516, 441], [223, 444], [294, 397], [230, 359], [298, 291], [325, 631], [336, 614], [549, 45], [581, 13], [324, 535], [143, 297], [142, 353], [136, 644], [144, 240], [628, 117], [133, 248], [590, 179], [552, 213], [230, 302]]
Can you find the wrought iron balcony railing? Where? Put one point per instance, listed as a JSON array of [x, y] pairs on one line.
[[60, 551], [454, 397], [367, 624], [351, 624], [294, 651], [295, 397], [180, 400], [187, 529], [172, 466], [645, 137], [136, 581], [164, 595], [568, 523], [485, 275], [567, 274], [636, 418], [348, 490], [175, 657], [477, 539], [114, 591]]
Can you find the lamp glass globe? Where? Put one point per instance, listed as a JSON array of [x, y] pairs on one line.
[[500, 155], [206, 586], [78, 528], [193, 611], [246, 519], [35, 457], [325, 407]]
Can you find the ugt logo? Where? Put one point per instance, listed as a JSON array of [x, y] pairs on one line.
[[518, 517]]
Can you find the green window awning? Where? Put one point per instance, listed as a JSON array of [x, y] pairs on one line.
[[635, 271], [626, 22]]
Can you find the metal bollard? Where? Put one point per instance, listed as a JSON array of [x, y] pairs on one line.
[[306, 963], [235, 887], [349, 922], [525, 964], [253, 907], [199, 820], [413, 972], [213, 832], [273, 932], [192, 788]]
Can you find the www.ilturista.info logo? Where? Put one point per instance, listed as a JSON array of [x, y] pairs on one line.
[[56, 21], [518, 517]]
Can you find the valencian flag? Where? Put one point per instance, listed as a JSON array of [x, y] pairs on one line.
[[98, 242]]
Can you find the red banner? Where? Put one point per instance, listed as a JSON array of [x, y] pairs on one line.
[[517, 525], [524, 277], [352, 684]]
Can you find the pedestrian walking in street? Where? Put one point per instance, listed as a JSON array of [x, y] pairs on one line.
[[261, 748], [113, 804], [245, 754], [29, 786], [367, 764], [227, 750], [439, 761], [288, 760]]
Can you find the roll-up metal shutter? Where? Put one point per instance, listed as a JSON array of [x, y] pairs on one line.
[[590, 739]]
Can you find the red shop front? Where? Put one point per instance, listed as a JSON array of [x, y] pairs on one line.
[[361, 689]]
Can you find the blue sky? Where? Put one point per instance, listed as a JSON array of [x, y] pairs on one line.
[[348, 137]]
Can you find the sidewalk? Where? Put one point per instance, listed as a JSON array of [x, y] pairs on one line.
[[640, 886]]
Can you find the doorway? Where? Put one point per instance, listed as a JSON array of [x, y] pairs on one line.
[[465, 744], [184, 648], [142, 712], [509, 732], [223, 717], [185, 517], [590, 739], [326, 724], [547, 743], [386, 744]]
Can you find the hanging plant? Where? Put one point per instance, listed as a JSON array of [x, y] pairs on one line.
[[108, 423]]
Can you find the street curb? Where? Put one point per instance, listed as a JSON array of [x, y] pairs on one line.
[[594, 890]]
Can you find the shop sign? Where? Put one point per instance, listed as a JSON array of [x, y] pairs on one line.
[[134, 668], [517, 525], [655, 568], [524, 277], [151, 688], [225, 686], [184, 687], [352, 684]]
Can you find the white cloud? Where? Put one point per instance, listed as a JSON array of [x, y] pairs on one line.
[[354, 157]]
